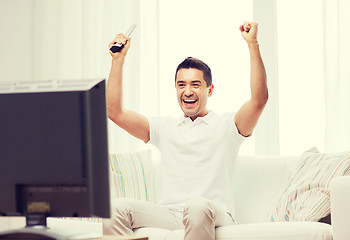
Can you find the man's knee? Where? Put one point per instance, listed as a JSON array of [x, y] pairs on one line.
[[120, 221], [120, 211], [120, 206], [198, 205], [198, 210]]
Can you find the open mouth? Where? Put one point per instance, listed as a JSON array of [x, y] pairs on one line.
[[189, 102]]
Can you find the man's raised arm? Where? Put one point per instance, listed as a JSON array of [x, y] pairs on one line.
[[248, 115], [132, 122]]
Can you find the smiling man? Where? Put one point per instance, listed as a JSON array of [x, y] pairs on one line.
[[193, 88], [198, 149]]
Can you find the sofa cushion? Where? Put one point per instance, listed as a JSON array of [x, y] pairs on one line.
[[153, 233], [280, 231], [306, 196], [256, 231], [131, 175], [258, 181]]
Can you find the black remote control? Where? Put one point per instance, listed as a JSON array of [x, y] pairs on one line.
[[117, 47]]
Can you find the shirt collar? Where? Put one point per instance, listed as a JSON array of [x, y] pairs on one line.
[[206, 119]]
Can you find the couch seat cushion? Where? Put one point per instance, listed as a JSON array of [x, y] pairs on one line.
[[256, 231], [154, 233], [280, 231]]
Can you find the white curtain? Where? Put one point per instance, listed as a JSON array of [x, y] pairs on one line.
[[337, 74], [267, 131], [71, 41]]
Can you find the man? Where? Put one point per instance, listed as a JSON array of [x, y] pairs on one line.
[[198, 150]]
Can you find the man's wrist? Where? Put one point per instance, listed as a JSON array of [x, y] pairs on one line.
[[253, 44], [118, 59]]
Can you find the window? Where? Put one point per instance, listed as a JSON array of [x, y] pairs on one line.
[[300, 76], [208, 31]]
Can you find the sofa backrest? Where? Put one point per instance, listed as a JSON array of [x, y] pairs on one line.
[[258, 180]]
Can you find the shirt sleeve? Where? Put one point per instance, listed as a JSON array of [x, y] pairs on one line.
[[238, 138], [154, 130]]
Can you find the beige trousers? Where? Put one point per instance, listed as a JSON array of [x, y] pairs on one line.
[[199, 218]]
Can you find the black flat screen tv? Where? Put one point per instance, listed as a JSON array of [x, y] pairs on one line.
[[53, 150]]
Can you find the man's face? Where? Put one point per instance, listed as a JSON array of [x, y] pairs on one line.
[[192, 92]]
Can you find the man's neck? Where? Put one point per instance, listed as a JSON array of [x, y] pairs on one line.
[[196, 116]]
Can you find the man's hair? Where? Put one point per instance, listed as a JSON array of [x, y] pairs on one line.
[[191, 62]]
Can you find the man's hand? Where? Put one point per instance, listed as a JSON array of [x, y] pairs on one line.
[[121, 39], [249, 31]]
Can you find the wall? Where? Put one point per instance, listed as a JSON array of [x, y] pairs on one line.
[[16, 46]]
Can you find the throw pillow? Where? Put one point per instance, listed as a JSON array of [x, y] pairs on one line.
[[131, 175], [306, 196]]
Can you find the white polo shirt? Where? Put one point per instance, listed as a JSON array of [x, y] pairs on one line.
[[198, 157]]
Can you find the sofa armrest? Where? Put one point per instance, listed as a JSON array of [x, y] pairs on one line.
[[340, 207]]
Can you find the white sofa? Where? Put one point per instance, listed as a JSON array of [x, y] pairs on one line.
[[258, 182]]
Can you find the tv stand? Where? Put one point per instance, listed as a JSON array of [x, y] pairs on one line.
[[32, 233], [36, 228]]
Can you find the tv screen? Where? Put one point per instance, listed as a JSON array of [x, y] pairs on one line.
[[54, 149]]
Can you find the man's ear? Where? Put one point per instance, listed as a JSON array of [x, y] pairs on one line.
[[210, 91]]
